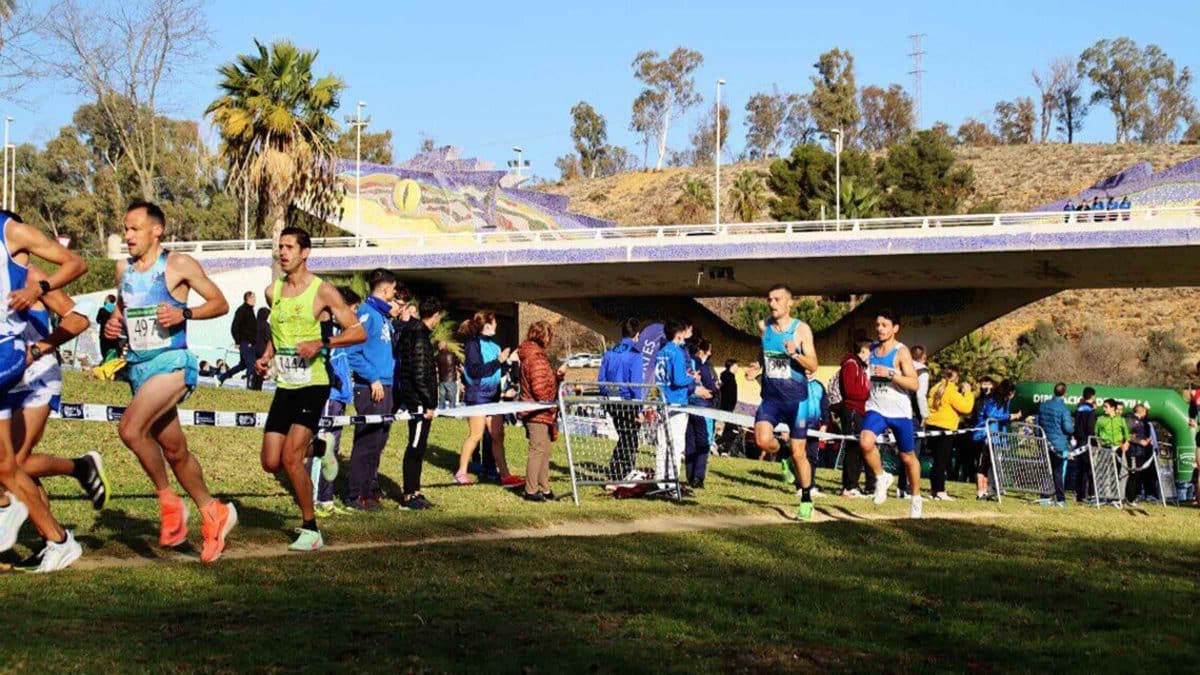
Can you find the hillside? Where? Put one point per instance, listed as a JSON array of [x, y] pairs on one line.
[[1019, 177]]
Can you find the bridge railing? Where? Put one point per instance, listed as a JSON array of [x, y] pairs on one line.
[[964, 224]]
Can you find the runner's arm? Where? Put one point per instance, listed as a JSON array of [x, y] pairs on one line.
[[73, 323], [22, 237], [907, 377], [807, 356], [352, 331], [112, 328]]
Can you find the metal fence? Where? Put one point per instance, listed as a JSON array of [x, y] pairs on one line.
[[621, 443], [1106, 480], [1020, 460]]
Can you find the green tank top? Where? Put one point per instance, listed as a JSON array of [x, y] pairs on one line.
[[292, 322]]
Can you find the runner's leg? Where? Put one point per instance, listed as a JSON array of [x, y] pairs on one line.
[[156, 398], [20, 484], [294, 449], [168, 433]]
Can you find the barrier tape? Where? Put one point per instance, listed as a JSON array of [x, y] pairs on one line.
[[95, 412], [748, 421]]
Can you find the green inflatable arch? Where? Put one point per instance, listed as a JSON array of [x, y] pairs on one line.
[[1165, 406]]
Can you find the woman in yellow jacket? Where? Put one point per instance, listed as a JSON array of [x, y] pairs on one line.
[[947, 403]]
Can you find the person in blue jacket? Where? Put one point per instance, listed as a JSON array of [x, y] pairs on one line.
[[1126, 206], [482, 363], [1112, 205], [676, 381], [1056, 421], [994, 416], [372, 365], [622, 366], [341, 394], [699, 429]]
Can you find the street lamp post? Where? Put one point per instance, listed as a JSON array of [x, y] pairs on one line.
[[837, 173], [717, 155], [358, 122], [12, 177], [520, 163]]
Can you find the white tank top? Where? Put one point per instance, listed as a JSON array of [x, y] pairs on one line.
[[888, 398]]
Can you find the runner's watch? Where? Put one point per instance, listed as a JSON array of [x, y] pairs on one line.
[[187, 313], [45, 286], [35, 351]]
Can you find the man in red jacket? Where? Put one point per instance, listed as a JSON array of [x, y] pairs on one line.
[[856, 387]]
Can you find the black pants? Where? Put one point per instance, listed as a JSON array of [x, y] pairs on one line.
[[414, 452], [624, 456], [369, 441], [696, 449], [965, 460], [852, 459], [1057, 466], [943, 448], [1140, 480], [246, 353], [1084, 489]]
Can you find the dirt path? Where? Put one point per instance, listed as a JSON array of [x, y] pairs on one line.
[[658, 525]]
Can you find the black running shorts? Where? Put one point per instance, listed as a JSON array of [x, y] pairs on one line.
[[297, 406]]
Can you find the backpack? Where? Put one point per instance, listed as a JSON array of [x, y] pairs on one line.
[[834, 389]]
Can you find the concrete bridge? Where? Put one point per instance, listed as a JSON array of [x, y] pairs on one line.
[[946, 275]]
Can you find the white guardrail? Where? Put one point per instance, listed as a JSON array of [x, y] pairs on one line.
[[982, 223]]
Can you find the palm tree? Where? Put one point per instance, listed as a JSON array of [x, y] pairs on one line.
[[277, 132], [694, 201], [975, 355], [859, 201], [746, 196]]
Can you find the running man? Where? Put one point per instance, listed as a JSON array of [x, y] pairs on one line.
[[19, 294], [31, 401], [153, 286], [893, 378], [787, 354], [299, 350]]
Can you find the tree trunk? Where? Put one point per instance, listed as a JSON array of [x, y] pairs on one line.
[[662, 140]]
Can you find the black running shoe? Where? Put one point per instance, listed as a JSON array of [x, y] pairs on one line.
[[93, 481], [416, 502]]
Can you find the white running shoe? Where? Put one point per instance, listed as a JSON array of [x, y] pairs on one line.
[[57, 557], [943, 497], [12, 517], [882, 482], [329, 464], [914, 511]]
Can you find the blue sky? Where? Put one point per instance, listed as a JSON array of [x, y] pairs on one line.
[[488, 75]]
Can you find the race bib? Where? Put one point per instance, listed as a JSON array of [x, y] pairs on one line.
[[291, 368], [145, 332], [778, 365]]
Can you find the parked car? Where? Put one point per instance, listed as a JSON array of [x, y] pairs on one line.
[[582, 360]]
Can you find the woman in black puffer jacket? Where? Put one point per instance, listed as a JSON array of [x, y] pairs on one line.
[[419, 393]]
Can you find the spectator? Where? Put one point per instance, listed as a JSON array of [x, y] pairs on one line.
[[109, 348], [263, 321], [622, 365], [1112, 205], [1141, 453], [1055, 420], [1067, 209], [728, 398], [920, 407], [1126, 207], [221, 367], [205, 371], [699, 431], [855, 387], [966, 452], [539, 382], [482, 374], [816, 408], [341, 394], [1112, 430], [1085, 428], [994, 417], [677, 384], [1081, 212], [373, 367], [447, 368], [947, 403], [244, 331], [1098, 205], [419, 396]]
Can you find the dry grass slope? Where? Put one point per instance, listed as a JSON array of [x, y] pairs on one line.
[[1020, 177]]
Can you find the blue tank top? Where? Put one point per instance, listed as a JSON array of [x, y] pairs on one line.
[[783, 377], [888, 398], [12, 278], [141, 293]]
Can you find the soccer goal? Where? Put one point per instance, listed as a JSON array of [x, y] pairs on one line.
[[623, 437], [1020, 460]]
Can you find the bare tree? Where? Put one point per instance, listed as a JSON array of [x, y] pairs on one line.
[[1067, 89], [19, 62], [121, 53], [1046, 85]]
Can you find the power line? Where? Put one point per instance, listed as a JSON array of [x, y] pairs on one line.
[[916, 72]]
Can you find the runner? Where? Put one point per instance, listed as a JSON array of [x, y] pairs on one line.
[[21, 293], [299, 350], [38, 393], [893, 377], [787, 354], [153, 286]]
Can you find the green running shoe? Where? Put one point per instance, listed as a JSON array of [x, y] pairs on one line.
[[805, 512], [785, 466], [307, 540]]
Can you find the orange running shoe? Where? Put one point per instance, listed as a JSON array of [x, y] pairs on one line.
[[174, 522], [218, 520]]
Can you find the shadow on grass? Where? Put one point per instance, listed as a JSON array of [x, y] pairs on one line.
[[922, 596]]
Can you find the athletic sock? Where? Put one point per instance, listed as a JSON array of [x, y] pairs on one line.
[[806, 494], [318, 446], [79, 470], [310, 525], [167, 495]]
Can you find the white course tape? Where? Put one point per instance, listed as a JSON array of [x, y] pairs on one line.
[[748, 421], [94, 412]]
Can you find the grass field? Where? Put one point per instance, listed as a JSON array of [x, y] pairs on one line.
[[995, 588]]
